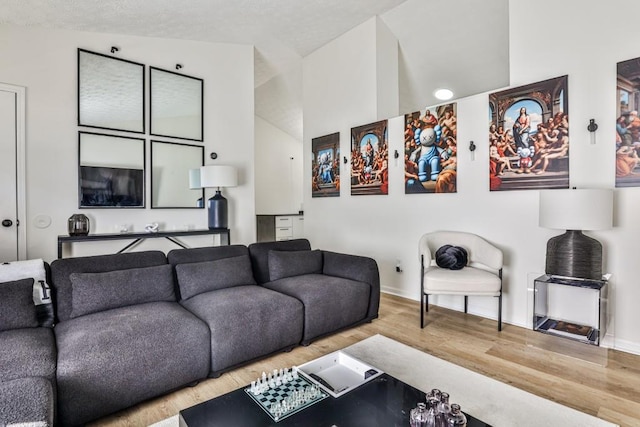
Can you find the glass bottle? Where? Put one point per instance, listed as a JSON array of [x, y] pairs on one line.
[[444, 409], [418, 416], [78, 225], [456, 418]]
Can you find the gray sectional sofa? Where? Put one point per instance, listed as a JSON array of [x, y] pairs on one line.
[[138, 325]]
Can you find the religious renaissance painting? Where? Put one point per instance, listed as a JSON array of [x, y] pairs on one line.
[[325, 179], [370, 159], [529, 137], [430, 150], [628, 124]]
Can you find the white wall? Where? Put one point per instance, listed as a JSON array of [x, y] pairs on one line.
[[278, 170], [585, 42], [45, 62]]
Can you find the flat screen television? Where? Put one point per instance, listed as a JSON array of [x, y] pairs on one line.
[[111, 187]]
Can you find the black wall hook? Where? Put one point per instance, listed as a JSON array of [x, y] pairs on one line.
[[593, 126], [345, 160], [178, 66], [396, 154], [114, 49], [472, 146]]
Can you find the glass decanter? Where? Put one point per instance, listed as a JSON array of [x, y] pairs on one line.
[[418, 416], [456, 418]]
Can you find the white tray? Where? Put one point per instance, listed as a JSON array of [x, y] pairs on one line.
[[340, 373]]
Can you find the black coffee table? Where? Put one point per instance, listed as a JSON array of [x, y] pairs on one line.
[[383, 402]]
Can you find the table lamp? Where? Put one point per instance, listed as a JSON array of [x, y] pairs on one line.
[[573, 254], [218, 176]]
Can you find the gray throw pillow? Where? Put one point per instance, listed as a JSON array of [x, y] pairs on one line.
[[198, 277], [16, 305], [294, 263], [94, 292]]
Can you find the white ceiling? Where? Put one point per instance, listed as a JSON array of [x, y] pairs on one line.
[[440, 40]]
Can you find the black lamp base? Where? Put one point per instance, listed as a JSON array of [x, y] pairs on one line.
[[218, 212], [573, 254]]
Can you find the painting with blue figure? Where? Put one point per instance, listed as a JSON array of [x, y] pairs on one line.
[[430, 152], [325, 177]]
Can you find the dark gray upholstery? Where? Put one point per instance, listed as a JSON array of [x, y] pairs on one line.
[[293, 263], [198, 277], [182, 256], [358, 268], [16, 305], [330, 303], [114, 359], [26, 400], [93, 292], [62, 268], [259, 253], [27, 352], [247, 322]]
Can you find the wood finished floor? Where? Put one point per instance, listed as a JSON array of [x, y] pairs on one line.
[[601, 382]]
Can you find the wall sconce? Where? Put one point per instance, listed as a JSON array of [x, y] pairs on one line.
[[114, 49], [345, 161], [472, 149], [592, 128]]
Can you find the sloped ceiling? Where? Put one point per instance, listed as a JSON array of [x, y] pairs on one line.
[[461, 44]]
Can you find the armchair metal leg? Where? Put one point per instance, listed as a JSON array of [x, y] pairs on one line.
[[422, 294], [500, 312], [466, 303]]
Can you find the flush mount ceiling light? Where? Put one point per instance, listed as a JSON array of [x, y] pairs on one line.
[[443, 94]]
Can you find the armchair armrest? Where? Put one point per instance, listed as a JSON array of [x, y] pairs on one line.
[[362, 269]]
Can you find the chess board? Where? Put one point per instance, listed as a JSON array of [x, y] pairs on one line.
[[281, 392]]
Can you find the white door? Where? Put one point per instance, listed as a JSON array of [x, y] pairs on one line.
[[12, 238]]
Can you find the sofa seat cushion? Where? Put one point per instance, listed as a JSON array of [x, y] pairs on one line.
[[467, 281], [330, 303], [29, 352], [114, 359], [247, 322], [27, 402]]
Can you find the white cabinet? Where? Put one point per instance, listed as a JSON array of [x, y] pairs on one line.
[[289, 227]]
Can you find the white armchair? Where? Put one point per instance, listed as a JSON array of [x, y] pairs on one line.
[[482, 276]]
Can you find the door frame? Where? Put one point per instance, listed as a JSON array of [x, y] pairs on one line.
[[21, 165]]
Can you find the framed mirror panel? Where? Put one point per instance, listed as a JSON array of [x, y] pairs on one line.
[[170, 165], [110, 171], [110, 92], [176, 105]]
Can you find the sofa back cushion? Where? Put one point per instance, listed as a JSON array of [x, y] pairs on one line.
[[94, 292], [198, 277], [16, 305], [61, 269], [259, 253], [294, 263]]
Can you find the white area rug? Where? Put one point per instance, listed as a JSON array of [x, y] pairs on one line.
[[491, 401]]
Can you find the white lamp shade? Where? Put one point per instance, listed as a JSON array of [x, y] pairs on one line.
[[194, 179], [576, 209], [218, 176]]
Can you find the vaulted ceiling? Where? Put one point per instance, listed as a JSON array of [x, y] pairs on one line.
[[460, 44]]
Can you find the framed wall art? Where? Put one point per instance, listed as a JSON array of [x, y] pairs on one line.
[[325, 168], [628, 124], [529, 137], [370, 159], [431, 150]]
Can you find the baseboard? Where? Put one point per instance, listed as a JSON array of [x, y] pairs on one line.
[[626, 346]]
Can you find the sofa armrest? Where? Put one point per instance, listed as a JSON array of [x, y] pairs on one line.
[[359, 268]]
